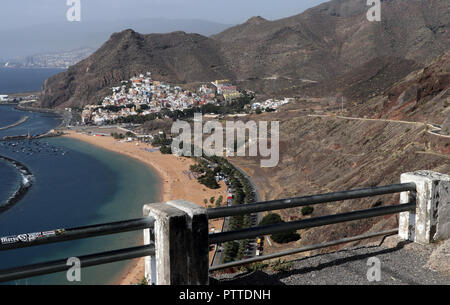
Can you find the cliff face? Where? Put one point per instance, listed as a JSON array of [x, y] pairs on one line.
[[274, 57]]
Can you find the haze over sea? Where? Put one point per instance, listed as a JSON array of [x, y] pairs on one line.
[[75, 184], [24, 79]]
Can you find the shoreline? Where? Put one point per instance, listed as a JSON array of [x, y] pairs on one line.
[[175, 184]]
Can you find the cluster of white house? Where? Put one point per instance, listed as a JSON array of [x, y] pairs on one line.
[[270, 103], [4, 98], [142, 95]]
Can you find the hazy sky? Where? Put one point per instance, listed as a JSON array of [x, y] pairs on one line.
[[22, 13]]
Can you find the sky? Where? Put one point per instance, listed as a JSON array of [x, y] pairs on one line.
[[23, 13], [30, 27]]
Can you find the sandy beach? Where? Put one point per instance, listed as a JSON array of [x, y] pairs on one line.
[[176, 184]]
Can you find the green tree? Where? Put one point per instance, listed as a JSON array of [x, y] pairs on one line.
[[283, 237], [219, 201], [129, 134], [166, 150], [209, 180], [308, 210]]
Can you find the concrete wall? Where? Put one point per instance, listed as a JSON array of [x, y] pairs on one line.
[[431, 219]]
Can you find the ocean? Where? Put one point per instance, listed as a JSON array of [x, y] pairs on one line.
[[75, 184], [14, 80]]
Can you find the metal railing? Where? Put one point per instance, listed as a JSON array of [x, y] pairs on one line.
[[61, 235], [308, 200], [252, 232]]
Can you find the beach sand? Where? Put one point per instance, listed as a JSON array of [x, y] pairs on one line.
[[175, 185]]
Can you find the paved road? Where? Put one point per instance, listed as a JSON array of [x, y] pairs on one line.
[[400, 265], [218, 254], [217, 259], [258, 215], [434, 129]]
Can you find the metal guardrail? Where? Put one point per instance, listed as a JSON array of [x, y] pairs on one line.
[[61, 235], [221, 237], [86, 261], [307, 223], [308, 200]]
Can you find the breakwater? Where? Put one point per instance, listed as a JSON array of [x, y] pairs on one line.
[[21, 121], [49, 134], [24, 187]]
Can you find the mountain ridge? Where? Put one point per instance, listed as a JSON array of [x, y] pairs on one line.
[[321, 44]]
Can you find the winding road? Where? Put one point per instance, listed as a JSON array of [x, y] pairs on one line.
[[434, 129]]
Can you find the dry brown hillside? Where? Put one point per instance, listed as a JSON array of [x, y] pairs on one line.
[[325, 154], [424, 95], [371, 144]]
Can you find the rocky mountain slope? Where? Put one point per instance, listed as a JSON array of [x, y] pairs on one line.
[[176, 57], [271, 57], [373, 144], [423, 95]]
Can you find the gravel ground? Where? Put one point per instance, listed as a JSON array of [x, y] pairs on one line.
[[400, 265]]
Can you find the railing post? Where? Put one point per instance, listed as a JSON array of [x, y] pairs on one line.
[[197, 246], [431, 219], [181, 244]]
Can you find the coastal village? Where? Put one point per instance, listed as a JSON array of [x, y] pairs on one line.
[[142, 95]]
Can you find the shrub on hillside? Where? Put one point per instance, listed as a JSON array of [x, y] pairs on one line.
[[209, 180], [307, 210]]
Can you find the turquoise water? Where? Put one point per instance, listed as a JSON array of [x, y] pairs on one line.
[[76, 184]]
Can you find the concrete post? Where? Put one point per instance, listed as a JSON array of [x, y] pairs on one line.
[[181, 244], [431, 219]]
